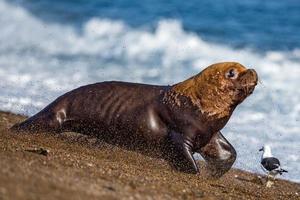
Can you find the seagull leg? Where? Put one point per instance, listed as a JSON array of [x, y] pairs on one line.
[[269, 181], [269, 184], [268, 176]]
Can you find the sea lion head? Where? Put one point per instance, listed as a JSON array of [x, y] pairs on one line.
[[219, 88], [230, 79]]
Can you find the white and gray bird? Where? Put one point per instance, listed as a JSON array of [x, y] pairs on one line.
[[269, 163]]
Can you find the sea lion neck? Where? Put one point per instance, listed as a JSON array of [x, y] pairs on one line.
[[207, 94]]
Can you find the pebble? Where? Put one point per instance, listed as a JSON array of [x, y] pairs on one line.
[[40, 151], [199, 194], [90, 164]]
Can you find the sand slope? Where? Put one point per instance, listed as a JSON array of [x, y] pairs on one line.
[[79, 167]]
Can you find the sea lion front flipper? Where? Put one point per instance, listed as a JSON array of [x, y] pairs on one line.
[[187, 150], [182, 155], [219, 155]]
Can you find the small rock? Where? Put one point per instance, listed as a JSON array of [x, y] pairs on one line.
[[40, 151], [110, 188], [90, 164], [199, 194], [132, 185]]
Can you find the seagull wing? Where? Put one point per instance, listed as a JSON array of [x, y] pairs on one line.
[[270, 163]]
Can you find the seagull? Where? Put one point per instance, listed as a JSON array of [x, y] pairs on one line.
[[270, 164]]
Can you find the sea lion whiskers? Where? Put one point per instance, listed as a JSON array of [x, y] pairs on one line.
[[247, 82]]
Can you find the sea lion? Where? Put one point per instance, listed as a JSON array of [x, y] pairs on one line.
[[187, 116]]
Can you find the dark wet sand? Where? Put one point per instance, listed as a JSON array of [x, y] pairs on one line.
[[79, 167]]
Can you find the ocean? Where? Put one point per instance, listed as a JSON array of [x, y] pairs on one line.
[[49, 47]]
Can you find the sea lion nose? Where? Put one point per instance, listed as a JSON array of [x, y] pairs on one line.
[[253, 74], [252, 71]]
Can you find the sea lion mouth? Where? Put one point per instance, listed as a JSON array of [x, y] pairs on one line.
[[247, 82]]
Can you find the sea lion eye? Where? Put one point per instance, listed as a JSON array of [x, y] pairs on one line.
[[231, 74]]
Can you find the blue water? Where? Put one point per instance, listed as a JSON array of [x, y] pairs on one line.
[[262, 25], [49, 47]]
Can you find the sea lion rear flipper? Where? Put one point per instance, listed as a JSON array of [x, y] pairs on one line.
[[219, 155], [182, 155], [38, 123]]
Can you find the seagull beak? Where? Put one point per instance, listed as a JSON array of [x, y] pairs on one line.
[[261, 149]]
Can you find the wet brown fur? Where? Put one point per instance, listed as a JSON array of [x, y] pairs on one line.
[[209, 89], [177, 121]]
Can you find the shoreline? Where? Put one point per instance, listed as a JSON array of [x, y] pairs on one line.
[[80, 167]]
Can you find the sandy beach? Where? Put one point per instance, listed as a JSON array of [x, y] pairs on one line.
[[73, 166]]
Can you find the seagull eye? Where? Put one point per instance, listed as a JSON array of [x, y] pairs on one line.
[[232, 74]]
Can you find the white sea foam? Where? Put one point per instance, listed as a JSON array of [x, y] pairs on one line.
[[39, 61]]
